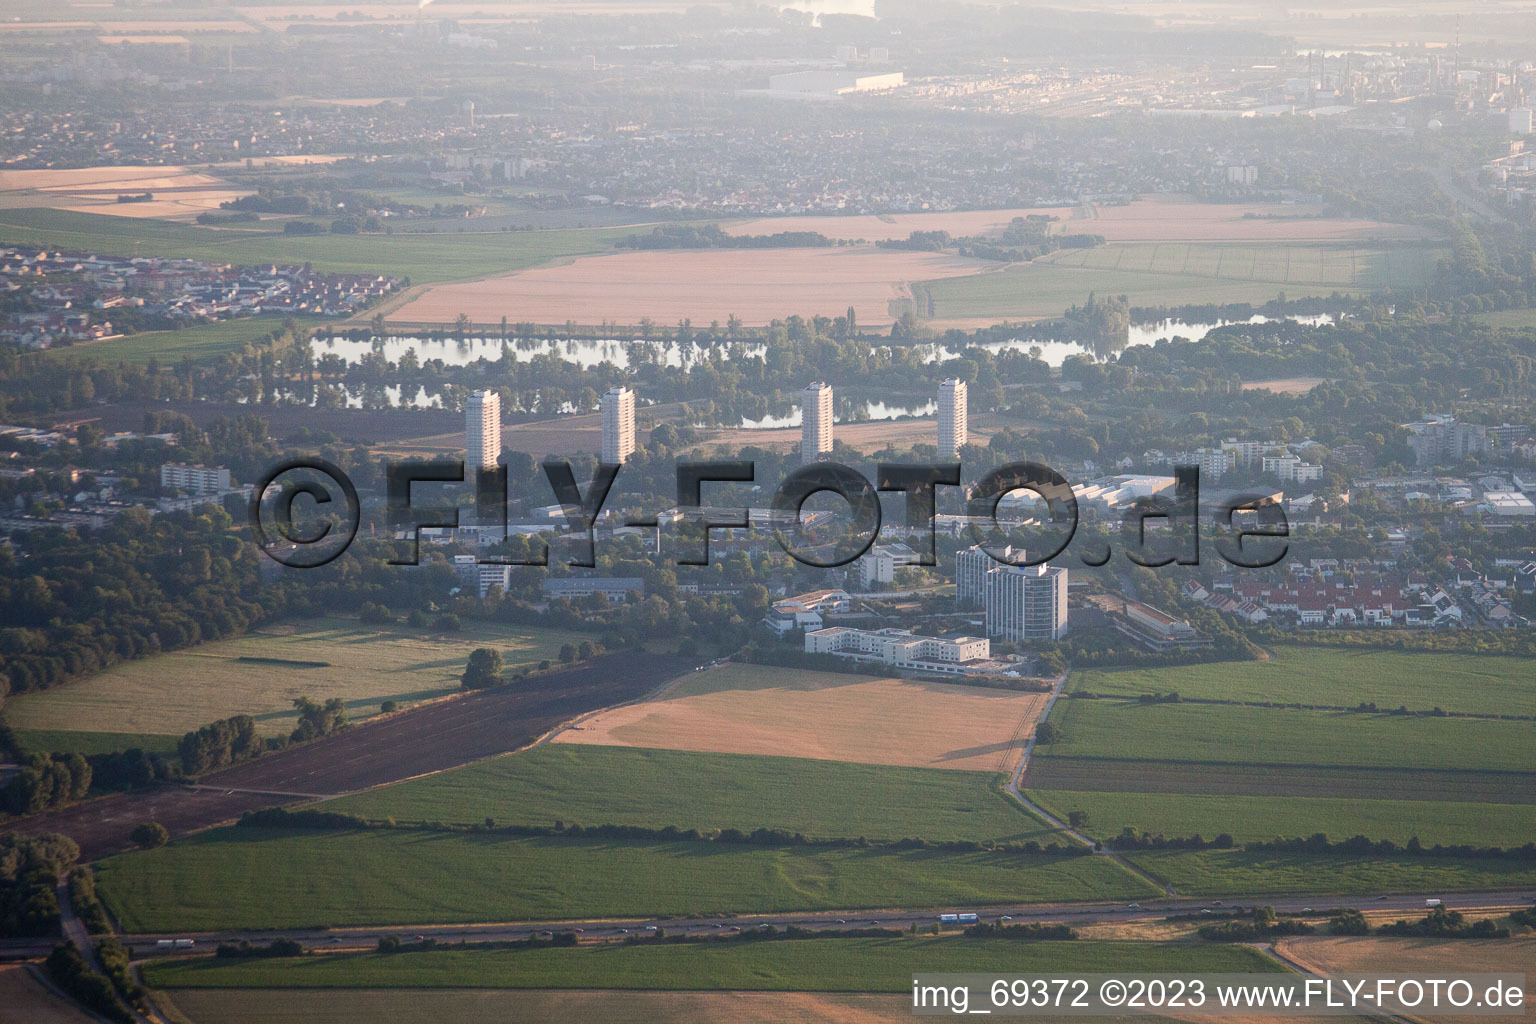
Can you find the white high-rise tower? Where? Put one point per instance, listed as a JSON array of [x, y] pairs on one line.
[[618, 425], [954, 417], [482, 433], [815, 421]]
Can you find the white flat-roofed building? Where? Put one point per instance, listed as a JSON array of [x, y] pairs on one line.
[[900, 648], [618, 426], [1026, 602], [1508, 503], [815, 421], [195, 479], [805, 611], [954, 417], [879, 564], [482, 432]]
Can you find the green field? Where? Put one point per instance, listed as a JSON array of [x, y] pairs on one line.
[[249, 878], [38, 741], [1249, 818], [200, 343], [1225, 872], [169, 694], [1516, 319], [423, 257], [812, 965], [1168, 273], [593, 785], [1223, 734], [1340, 677]]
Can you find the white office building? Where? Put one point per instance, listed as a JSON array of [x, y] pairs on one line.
[[618, 426], [954, 417], [815, 421], [1026, 603], [482, 432]]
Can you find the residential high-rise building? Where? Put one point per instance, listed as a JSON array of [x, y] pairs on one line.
[[815, 421], [195, 479], [482, 433], [618, 426], [954, 417], [1026, 603], [971, 567]]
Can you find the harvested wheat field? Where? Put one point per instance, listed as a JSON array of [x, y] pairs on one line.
[[1180, 219], [453, 1006], [179, 192], [883, 227], [829, 716], [757, 285], [1421, 958]]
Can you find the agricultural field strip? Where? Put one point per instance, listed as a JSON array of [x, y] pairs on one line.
[[1225, 872], [1339, 676], [1109, 774], [224, 879], [848, 965], [1256, 818], [1219, 734], [596, 785]]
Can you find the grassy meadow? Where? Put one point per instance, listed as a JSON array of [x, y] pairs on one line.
[[1226, 872], [261, 673], [1176, 273], [201, 343], [1252, 818], [252, 878], [811, 965], [593, 785], [1340, 677], [423, 257], [1224, 734]]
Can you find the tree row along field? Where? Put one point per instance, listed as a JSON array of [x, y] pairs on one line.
[[860, 965], [226, 879], [594, 785]]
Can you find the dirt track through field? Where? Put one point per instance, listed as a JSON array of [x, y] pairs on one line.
[[422, 740]]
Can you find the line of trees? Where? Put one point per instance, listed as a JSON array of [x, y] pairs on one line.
[[46, 781], [1319, 843], [219, 744], [30, 869], [71, 973], [278, 817]]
